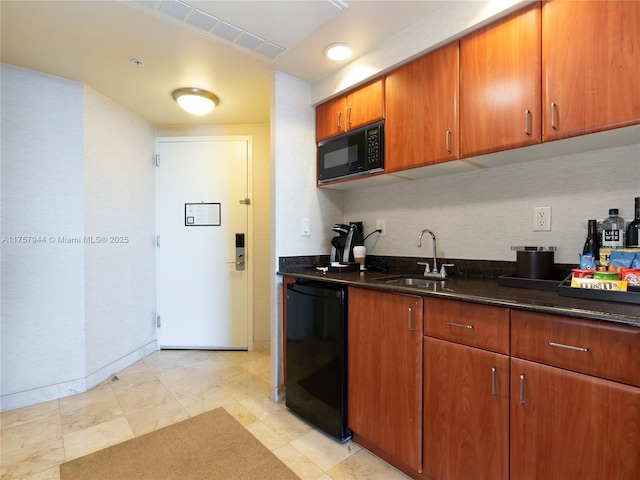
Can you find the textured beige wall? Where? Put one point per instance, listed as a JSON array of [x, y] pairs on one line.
[[73, 165]]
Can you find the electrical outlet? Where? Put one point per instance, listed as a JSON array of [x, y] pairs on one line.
[[380, 226], [542, 219]]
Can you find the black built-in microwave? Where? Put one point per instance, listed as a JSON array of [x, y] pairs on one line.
[[359, 152]]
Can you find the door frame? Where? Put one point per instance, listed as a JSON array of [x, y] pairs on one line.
[[248, 241]]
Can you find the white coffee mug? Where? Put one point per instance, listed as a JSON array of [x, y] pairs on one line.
[[359, 254]]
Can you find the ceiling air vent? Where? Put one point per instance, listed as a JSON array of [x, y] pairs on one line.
[[250, 41], [202, 20], [210, 25], [175, 8], [227, 31], [270, 50]]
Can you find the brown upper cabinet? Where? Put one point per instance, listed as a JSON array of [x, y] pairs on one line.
[[551, 70], [360, 107], [421, 100], [500, 71], [591, 66]]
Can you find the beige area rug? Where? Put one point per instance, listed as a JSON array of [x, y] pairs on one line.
[[213, 445]]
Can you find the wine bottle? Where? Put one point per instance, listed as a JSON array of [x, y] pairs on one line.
[[592, 244], [633, 230]]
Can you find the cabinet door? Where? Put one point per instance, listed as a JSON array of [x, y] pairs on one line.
[[590, 66], [570, 425], [500, 84], [365, 105], [466, 412], [385, 372], [421, 104], [331, 118]]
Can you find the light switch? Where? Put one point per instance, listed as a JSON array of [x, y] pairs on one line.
[[306, 227]]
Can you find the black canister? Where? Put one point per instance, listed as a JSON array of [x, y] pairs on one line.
[[534, 262]]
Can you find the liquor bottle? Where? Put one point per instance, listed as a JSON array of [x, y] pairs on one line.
[[633, 230], [613, 230], [592, 244]]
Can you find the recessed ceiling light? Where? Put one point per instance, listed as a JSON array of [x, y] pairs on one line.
[[338, 51], [195, 100]]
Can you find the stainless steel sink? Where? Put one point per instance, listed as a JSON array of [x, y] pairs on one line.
[[409, 281]]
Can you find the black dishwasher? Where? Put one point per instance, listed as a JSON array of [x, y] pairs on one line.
[[316, 355]]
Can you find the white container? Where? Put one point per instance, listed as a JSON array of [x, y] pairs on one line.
[[359, 255]]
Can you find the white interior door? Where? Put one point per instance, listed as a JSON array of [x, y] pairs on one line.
[[203, 299]]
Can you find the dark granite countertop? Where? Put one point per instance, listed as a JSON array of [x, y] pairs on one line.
[[476, 282]]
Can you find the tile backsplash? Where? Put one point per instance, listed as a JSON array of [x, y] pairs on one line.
[[481, 214]]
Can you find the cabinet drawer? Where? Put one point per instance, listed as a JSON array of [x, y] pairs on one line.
[[602, 349], [481, 326]]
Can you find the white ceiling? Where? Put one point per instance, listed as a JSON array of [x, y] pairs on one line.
[[93, 42]]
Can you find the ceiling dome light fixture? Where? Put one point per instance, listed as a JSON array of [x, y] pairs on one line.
[[195, 100], [338, 51]]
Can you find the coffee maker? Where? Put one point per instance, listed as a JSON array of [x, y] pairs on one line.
[[348, 237]]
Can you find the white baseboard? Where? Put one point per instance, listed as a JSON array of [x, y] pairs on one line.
[[72, 387]]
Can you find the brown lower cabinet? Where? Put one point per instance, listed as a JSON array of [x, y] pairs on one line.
[[385, 375], [575, 398], [466, 412], [490, 392], [569, 425]]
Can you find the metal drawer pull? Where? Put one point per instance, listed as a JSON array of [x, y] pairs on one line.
[[461, 325], [553, 116], [570, 347], [447, 142], [410, 315], [522, 389], [527, 122], [494, 391], [349, 116], [339, 118]]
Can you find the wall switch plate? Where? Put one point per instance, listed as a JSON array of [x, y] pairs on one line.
[[542, 219], [306, 227], [381, 226]]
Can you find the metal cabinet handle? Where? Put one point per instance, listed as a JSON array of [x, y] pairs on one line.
[[447, 141], [410, 319], [553, 116], [527, 122], [570, 347], [349, 116], [461, 325], [522, 389], [339, 119], [494, 390]]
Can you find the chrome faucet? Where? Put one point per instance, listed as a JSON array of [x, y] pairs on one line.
[[442, 274], [435, 261]]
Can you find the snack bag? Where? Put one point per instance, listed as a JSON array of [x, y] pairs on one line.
[[623, 259]]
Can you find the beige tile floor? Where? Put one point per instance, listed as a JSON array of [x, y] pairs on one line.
[[164, 388]]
